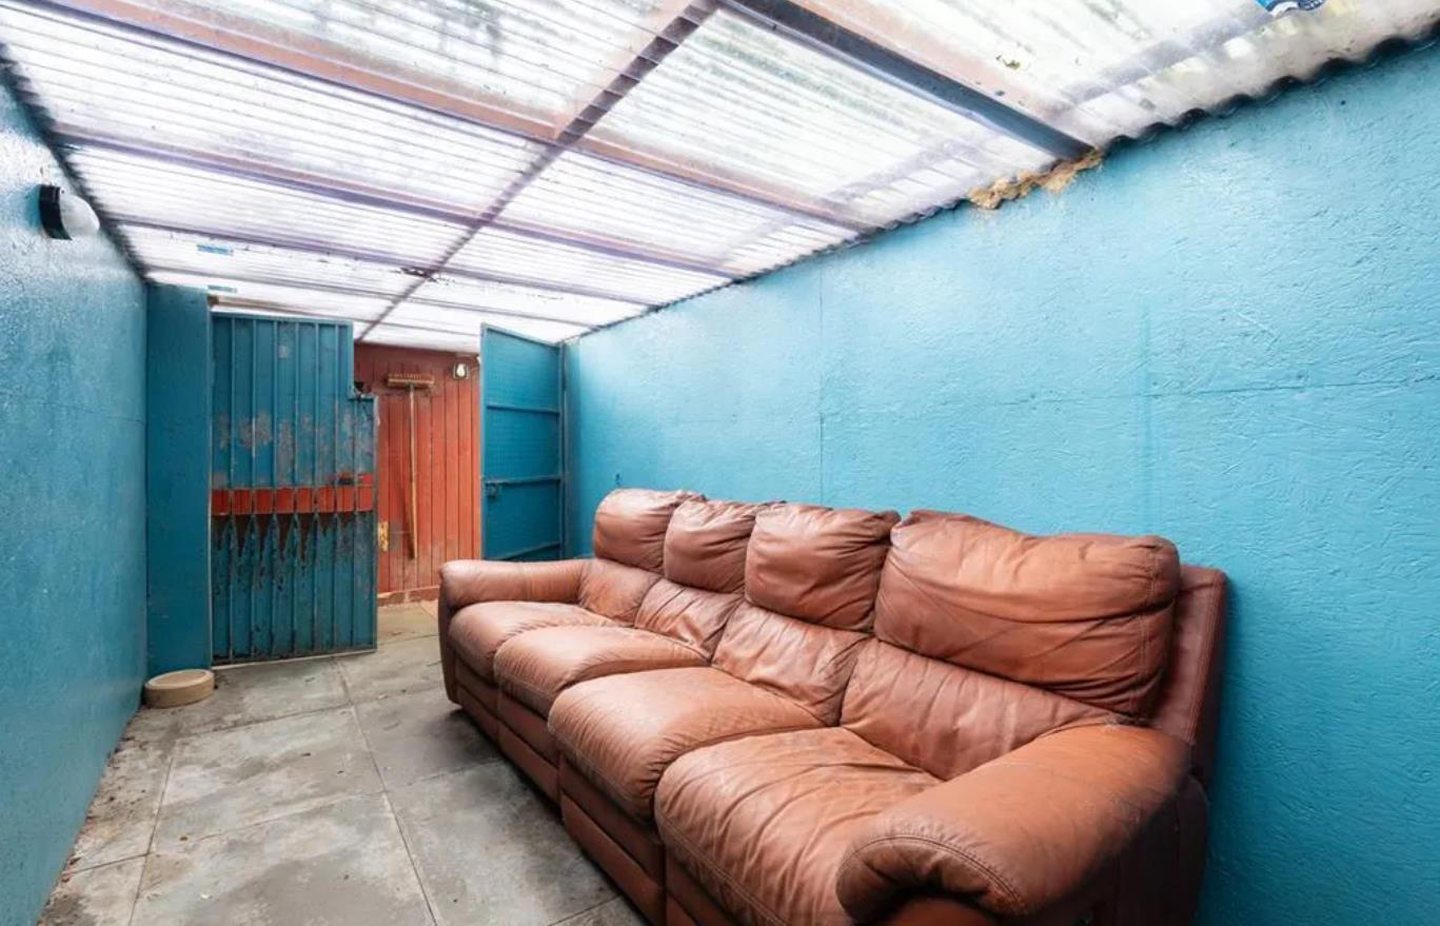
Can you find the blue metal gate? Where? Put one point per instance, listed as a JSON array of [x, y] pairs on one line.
[[292, 496], [523, 447]]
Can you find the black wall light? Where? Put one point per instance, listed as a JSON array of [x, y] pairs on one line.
[[66, 216]]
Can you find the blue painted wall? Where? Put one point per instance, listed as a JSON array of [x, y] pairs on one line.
[[72, 511], [177, 523], [1230, 336]]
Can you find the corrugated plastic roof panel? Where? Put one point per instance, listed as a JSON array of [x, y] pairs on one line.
[[536, 59], [204, 254], [103, 81], [297, 299], [747, 103], [586, 311], [144, 189], [593, 198], [467, 322], [1103, 69], [521, 257]]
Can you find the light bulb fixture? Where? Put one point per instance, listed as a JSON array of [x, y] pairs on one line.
[[66, 216], [462, 370]]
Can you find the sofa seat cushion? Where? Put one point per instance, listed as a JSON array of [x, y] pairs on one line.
[[478, 631], [535, 667], [623, 731], [764, 822]]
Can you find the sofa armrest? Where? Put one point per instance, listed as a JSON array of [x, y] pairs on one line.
[[1023, 832], [470, 581]]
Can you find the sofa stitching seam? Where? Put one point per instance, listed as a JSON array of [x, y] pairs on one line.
[[1021, 907]]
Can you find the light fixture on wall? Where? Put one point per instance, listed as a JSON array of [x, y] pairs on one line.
[[65, 216], [462, 370]]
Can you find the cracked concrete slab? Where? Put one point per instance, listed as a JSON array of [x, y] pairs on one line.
[[396, 668], [419, 735], [100, 896], [343, 864], [490, 851], [239, 777]]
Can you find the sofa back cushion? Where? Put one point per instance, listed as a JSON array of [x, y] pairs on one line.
[[1086, 616], [689, 615], [705, 544], [630, 526], [810, 579], [820, 565], [613, 589], [946, 719]]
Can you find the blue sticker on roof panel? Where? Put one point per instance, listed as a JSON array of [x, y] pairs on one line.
[[1281, 7]]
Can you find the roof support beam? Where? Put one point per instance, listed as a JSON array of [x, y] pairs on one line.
[[362, 293], [798, 23], [308, 59]]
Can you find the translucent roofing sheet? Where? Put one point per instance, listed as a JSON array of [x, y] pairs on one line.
[[1100, 69], [586, 311], [745, 102], [590, 197], [298, 299], [208, 255], [538, 59], [467, 322], [523, 257], [128, 186], [100, 80]]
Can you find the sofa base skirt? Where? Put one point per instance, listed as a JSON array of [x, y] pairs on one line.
[[647, 894], [471, 704]]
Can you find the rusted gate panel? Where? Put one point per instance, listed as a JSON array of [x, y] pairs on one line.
[[445, 519], [292, 491]]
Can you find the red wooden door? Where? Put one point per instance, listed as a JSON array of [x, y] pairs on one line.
[[445, 516]]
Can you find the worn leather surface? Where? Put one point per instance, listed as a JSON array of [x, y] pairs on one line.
[[623, 731], [630, 526], [614, 590], [1023, 832], [818, 564], [535, 667], [527, 725], [1189, 704], [948, 719], [1087, 616], [645, 892], [805, 662], [692, 616], [763, 822], [639, 840], [478, 630], [705, 544], [466, 582]]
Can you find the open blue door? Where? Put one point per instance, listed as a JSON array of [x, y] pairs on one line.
[[522, 437]]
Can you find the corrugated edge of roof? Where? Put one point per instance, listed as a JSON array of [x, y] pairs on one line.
[[1384, 51]]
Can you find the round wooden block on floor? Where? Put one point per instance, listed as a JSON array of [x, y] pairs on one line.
[[174, 689]]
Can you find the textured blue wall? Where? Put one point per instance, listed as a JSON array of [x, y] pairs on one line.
[[1230, 336], [177, 522], [72, 512]]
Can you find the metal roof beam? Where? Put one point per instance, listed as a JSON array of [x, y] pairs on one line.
[[792, 20], [311, 62], [361, 293], [309, 247]]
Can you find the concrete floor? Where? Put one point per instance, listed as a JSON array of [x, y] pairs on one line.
[[341, 790]]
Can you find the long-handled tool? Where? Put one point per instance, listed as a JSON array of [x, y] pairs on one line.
[[410, 382]]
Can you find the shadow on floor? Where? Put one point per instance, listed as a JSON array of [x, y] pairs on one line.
[[340, 790]]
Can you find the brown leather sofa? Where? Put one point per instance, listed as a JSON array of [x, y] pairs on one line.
[[787, 714]]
